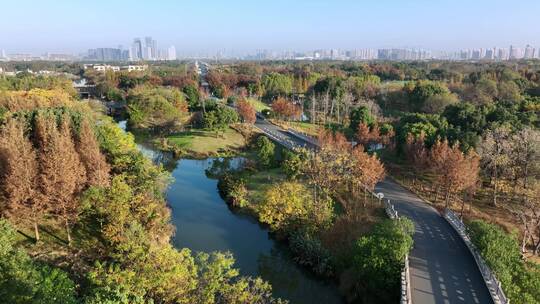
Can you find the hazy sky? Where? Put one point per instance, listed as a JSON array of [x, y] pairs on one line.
[[242, 25]]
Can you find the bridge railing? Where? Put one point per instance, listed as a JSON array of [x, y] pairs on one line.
[[405, 272], [492, 283]]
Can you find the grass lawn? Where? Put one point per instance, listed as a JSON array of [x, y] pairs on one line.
[[257, 104], [204, 142], [258, 182]]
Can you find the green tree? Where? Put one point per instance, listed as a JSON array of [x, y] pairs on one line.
[[265, 151], [193, 96], [275, 85], [379, 256], [360, 115], [423, 90]]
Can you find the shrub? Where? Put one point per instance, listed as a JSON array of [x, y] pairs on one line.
[[520, 280], [309, 252], [234, 190], [265, 151], [379, 257]]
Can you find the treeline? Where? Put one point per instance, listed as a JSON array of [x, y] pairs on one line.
[[94, 206]]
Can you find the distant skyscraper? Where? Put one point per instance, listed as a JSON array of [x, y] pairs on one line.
[[515, 53], [105, 54], [136, 49], [2, 54], [490, 54], [529, 52], [151, 48], [171, 53]]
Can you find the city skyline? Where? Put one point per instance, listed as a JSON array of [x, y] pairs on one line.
[[146, 49], [242, 26]]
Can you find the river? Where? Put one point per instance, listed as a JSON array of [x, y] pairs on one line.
[[204, 222]]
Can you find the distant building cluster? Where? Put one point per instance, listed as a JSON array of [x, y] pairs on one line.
[[147, 50], [141, 49], [511, 53], [398, 54]]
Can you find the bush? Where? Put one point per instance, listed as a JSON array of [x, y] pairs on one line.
[[379, 257], [234, 190], [265, 151], [520, 280], [309, 252], [289, 205], [292, 164]]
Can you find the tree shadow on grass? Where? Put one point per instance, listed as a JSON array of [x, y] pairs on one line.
[[50, 233]]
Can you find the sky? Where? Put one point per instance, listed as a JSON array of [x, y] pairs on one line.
[[240, 26]]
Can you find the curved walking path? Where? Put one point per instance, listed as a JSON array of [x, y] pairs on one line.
[[442, 270]]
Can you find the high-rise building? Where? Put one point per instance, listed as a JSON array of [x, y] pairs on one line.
[[490, 54], [171, 53], [151, 48], [105, 54], [515, 53], [136, 50], [529, 52], [2, 54]]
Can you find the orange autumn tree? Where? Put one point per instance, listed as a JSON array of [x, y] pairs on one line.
[[415, 151], [365, 135], [455, 171], [246, 111], [285, 109], [97, 168], [337, 164], [61, 174], [18, 175]]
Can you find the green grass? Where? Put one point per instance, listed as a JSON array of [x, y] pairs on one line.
[[257, 104], [257, 183], [206, 142]]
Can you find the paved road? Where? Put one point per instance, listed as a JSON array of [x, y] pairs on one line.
[[442, 270], [281, 136]]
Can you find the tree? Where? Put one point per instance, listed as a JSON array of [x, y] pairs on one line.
[[288, 205], [436, 104], [61, 174], [416, 151], [495, 151], [97, 168], [365, 135], [454, 170], [286, 109], [246, 111], [360, 115], [219, 119], [155, 107], [193, 96], [265, 151], [19, 167], [378, 257], [423, 90], [276, 85]]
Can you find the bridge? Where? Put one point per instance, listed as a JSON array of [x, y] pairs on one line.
[[441, 267]]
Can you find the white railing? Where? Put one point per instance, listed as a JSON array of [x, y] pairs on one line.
[[493, 285], [405, 273]]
